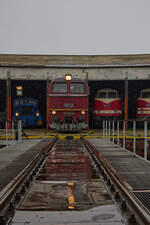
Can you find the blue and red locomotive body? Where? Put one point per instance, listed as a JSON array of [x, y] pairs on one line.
[[27, 110], [68, 104]]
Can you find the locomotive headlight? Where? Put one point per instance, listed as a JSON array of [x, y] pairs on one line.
[[17, 114], [53, 112], [68, 77], [37, 114], [82, 112]]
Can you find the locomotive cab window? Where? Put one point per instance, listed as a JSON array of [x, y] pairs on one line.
[[112, 95], [102, 95], [109, 94], [59, 88], [77, 88]]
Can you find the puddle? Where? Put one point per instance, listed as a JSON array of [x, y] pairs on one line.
[[65, 196]]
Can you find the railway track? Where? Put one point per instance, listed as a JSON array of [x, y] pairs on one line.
[[13, 193], [69, 178]]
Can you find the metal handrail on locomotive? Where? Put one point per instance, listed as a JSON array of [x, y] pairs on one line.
[[68, 104], [143, 104], [27, 110], [107, 105]]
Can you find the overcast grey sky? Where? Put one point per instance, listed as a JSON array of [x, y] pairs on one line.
[[75, 26]]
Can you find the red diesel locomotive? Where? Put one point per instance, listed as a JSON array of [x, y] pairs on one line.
[[68, 104], [143, 104], [107, 105]]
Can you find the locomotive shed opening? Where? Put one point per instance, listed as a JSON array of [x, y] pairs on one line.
[[3, 99], [94, 86], [37, 89], [134, 87], [32, 89]]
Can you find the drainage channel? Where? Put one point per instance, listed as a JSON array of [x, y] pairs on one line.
[[68, 190]]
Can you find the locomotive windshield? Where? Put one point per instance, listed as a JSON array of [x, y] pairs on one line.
[[27, 110], [145, 94], [107, 95], [102, 95], [112, 95], [59, 88], [77, 88]]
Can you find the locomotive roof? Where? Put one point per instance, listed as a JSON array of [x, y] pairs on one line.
[[146, 89], [26, 98], [83, 61], [106, 89]]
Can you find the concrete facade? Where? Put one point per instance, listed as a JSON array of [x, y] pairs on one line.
[[132, 73], [43, 67]]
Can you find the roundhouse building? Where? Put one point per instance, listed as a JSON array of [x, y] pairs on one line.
[[126, 73]]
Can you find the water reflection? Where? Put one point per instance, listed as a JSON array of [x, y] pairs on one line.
[[71, 198], [53, 152]]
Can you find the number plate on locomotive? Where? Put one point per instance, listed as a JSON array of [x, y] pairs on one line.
[[68, 105]]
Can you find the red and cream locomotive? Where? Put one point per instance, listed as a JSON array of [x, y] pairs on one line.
[[107, 105], [68, 104], [143, 104]]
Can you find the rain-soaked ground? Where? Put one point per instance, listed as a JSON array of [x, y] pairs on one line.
[[68, 191]]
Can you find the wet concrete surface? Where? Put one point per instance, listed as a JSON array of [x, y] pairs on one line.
[[100, 215], [14, 158], [66, 196], [68, 191]]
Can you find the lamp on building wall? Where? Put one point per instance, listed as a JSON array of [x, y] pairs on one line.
[[19, 90], [19, 93]]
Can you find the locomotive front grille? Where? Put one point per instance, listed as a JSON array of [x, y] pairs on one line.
[[68, 119], [69, 113]]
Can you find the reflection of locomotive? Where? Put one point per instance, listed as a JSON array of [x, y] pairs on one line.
[[68, 104], [27, 109], [107, 105], [143, 104]]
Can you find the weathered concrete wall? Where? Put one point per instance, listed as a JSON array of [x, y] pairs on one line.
[[133, 73]]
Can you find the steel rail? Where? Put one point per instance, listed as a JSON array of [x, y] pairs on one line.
[[140, 212], [7, 195]]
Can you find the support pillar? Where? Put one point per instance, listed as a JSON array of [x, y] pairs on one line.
[[126, 103], [8, 94], [47, 104], [87, 80]]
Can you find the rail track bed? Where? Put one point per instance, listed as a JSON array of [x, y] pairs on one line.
[[67, 190], [83, 181]]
